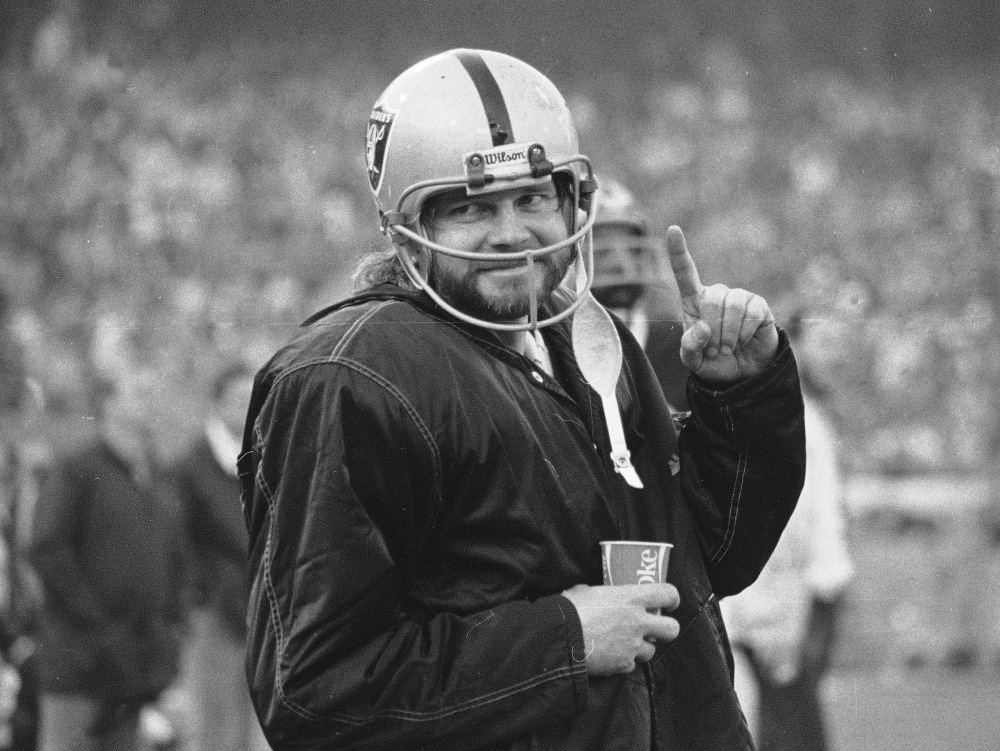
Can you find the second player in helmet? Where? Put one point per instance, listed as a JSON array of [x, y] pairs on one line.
[[632, 279]]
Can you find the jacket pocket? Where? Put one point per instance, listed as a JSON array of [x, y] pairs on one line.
[[696, 706]]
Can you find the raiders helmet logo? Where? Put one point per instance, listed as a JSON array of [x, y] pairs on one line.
[[376, 142]]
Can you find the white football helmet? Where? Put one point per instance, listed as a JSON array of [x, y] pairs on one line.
[[484, 121]]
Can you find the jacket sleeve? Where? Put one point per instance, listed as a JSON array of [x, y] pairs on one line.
[[743, 465], [341, 513]]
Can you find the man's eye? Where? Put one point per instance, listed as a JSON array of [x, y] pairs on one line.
[[540, 201], [465, 212]]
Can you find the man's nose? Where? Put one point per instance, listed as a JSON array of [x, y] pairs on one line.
[[607, 261], [614, 261], [509, 228]]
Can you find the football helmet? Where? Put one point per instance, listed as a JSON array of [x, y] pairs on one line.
[[485, 122], [627, 258]]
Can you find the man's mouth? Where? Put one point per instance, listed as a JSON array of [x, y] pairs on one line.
[[514, 263], [502, 266]]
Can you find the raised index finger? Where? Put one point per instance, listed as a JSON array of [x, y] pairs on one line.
[[685, 272]]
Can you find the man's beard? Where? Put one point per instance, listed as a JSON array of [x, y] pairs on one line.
[[461, 291]]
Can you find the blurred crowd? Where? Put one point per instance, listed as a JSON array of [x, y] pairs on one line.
[[122, 586], [163, 198], [166, 220]]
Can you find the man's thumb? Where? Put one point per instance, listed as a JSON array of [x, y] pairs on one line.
[[693, 345]]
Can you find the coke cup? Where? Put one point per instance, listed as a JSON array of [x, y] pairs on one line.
[[631, 562]]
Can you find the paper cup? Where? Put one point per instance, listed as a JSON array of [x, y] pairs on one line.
[[629, 562]]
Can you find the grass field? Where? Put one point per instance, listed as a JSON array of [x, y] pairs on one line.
[[925, 710]]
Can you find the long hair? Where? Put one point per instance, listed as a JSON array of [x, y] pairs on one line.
[[380, 267]]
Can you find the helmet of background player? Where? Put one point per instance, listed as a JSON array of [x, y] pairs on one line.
[[485, 122], [627, 259]]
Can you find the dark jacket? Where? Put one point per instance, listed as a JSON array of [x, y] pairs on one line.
[[216, 532], [418, 496], [663, 348], [109, 552]]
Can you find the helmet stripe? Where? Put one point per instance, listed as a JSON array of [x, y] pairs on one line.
[[490, 94]]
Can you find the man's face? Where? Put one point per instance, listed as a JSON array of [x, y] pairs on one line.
[[126, 413], [620, 266], [507, 221]]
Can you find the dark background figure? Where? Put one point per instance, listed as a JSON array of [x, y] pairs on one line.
[[632, 280], [206, 478], [20, 602], [108, 547], [785, 625], [20, 598]]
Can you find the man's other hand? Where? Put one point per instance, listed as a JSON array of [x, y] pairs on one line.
[[618, 629]]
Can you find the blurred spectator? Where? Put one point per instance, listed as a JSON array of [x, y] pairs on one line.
[[20, 601], [627, 273], [20, 598], [108, 548], [783, 627], [210, 490], [985, 600]]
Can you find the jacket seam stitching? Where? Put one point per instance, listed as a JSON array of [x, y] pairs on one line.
[[728, 418], [737, 494], [389, 386], [269, 586], [473, 703], [734, 507], [272, 598], [348, 335], [411, 410]]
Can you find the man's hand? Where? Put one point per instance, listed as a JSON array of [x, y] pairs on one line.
[[729, 334], [618, 630]]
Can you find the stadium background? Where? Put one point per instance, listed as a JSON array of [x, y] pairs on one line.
[[183, 181]]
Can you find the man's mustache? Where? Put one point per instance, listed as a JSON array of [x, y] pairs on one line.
[[482, 266]]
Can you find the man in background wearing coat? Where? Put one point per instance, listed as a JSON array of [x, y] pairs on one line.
[[108, 547], [206, 479]]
